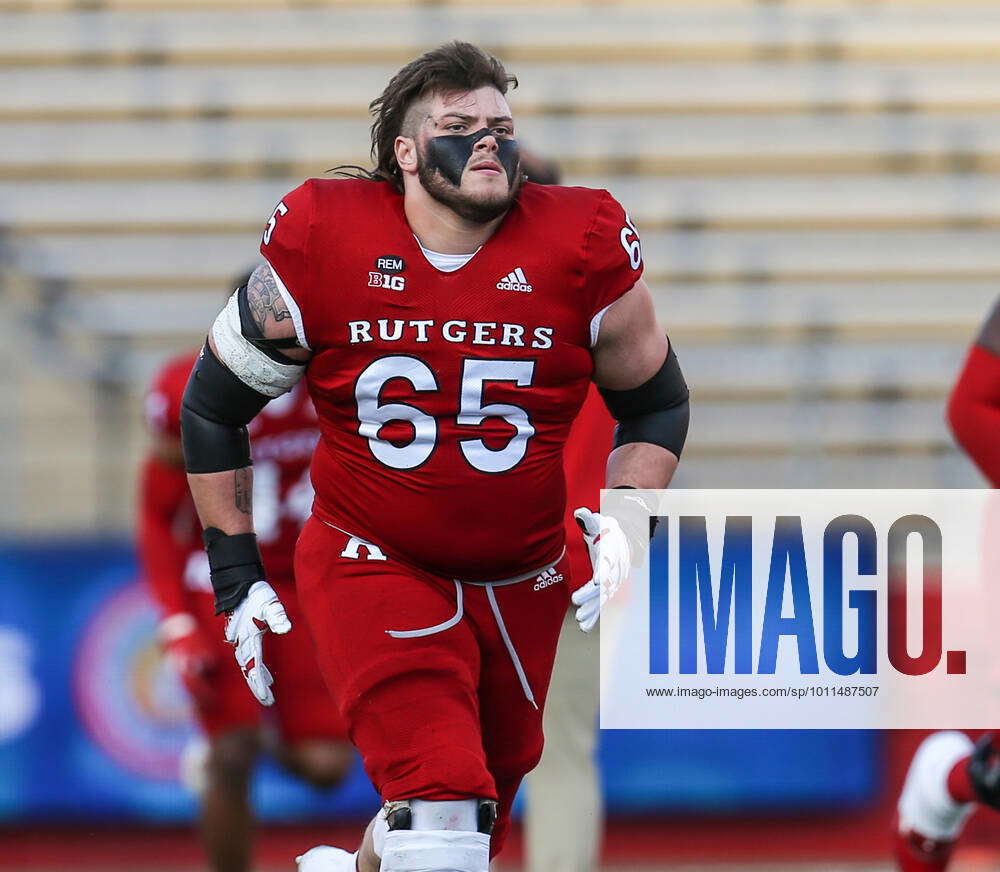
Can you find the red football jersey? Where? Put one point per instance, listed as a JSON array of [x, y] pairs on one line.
[[283, 437], [445, 399]]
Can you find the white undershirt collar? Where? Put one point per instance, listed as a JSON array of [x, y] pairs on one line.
[[446, 262]]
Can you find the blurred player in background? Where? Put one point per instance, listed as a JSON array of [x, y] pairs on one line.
[[567, 775], [311, 738], [949, 775], [452, 316]]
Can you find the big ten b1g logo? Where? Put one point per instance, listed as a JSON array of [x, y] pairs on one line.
[[385, 273], [744, 594]]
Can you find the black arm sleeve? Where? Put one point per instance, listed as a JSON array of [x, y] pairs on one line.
[[655, 412], [216, 408]]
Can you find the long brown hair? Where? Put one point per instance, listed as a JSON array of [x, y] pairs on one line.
[[455, 66]]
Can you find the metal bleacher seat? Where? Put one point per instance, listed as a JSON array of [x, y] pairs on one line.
[[817, 184]]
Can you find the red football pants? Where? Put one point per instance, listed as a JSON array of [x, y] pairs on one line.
[[445, 714]]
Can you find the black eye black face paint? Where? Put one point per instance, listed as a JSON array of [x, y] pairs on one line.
[[450, 154]]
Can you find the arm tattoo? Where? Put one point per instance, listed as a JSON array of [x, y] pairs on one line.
[[264, 299], [244, 490]]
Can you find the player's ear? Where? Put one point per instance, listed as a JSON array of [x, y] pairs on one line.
[[406, 153]]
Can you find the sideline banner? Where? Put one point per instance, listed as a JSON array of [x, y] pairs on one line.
[[806, 609], [93, 724]]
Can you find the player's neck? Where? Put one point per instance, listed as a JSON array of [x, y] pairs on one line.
[[439, 229]]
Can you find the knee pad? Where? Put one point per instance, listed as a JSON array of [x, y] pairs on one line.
[[443, 836]]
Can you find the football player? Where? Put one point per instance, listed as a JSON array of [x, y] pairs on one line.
[[949, 774], [448, 318], [312, 741]]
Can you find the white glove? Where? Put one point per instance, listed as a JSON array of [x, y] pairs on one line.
[[611, 559], [244, 630]]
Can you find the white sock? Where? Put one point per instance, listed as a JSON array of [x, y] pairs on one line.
[[925, 805]]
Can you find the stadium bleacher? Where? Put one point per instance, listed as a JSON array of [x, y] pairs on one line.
[[817, 185]]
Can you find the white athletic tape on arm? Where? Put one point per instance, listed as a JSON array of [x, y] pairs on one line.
[[248, 363]]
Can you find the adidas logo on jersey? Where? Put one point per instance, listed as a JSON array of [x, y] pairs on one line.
[[515, 281], [548, 577]]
